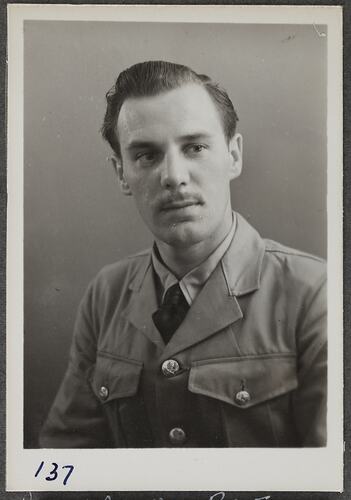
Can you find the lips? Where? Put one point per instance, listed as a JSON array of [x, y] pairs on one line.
[[177, 205]]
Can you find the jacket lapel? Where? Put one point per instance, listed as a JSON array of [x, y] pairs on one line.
[[213, 309], [216, 305], [143, 303]]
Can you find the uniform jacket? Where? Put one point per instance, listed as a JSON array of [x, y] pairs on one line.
[[251, 357]]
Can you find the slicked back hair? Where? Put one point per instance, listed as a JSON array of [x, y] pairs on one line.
[[151, 78]]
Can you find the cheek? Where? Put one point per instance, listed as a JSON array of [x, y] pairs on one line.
[[215, 170], [216, 180], [142, 190]]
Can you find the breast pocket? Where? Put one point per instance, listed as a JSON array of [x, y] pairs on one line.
[[254, 393], [115, 377], [116, 382]]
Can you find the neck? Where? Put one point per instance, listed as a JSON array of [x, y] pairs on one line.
[[181, 260]]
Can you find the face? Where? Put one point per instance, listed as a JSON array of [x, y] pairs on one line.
[[177, 164]]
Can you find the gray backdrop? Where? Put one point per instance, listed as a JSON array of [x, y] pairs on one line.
[[75, 218]]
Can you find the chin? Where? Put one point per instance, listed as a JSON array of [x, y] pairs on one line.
[[183, 234]]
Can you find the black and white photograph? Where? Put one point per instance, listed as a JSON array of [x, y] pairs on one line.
[[177, 193]]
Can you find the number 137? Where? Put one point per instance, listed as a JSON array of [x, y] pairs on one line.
[[53, 474]]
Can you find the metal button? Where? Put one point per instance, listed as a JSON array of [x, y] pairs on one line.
[[170, 367], [177, 435], [103, 392], [242, 397]]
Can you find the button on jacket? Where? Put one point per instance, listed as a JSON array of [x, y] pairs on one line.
[[247, 367]]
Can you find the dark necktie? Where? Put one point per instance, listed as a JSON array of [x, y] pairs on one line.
[[171, 313]]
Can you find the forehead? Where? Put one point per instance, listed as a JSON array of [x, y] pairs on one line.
[[181, 111]]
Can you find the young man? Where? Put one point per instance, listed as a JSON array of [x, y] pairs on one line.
[[214, 337]]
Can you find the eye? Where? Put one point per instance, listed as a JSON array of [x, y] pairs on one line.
[[146, 158], [195, 149]]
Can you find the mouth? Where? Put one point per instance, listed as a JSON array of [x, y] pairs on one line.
[[179, 205]]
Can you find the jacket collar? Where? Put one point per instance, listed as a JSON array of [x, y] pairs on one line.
[[216, 306], [243, 261]]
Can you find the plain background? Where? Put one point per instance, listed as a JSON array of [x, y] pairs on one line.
[[76, 220]]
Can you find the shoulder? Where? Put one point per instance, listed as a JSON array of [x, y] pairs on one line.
[[125, 272], [110, 289], [282, 253], [130, 264], [296, 265]]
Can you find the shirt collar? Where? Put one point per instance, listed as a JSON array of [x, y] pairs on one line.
[[193, 281]]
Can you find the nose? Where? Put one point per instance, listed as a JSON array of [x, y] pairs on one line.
[[174, 171]]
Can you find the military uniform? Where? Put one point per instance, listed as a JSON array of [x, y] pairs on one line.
[[247, 367]]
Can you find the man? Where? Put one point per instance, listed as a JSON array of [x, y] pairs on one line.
[[213, 338]]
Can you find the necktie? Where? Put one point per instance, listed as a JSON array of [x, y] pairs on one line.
[[171, 313]]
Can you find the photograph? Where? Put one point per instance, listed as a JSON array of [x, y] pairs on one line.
[[176, 185]]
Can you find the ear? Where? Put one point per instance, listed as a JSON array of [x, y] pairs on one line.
[[118, 167], [236, 152]]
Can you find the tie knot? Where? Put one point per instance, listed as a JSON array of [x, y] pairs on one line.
[[173, 296]]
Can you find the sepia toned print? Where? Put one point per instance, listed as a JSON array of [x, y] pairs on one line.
[[174, 251], [213, 338]]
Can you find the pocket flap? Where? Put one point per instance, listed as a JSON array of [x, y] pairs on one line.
[[246, 381], [115, 377]]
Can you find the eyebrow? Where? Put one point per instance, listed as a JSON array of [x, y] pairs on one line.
[[139, 144], [195, 137]]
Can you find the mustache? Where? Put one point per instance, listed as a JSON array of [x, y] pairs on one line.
[[168, 200]]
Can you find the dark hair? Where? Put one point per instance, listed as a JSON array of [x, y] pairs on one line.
[[152, 78]]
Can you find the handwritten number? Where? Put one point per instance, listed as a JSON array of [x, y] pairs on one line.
[[53, 473], [70, 467], [39, 469]]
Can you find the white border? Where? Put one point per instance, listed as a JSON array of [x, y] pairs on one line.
[[177, 469]]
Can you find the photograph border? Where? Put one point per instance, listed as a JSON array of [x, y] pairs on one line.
[[183, 494]]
